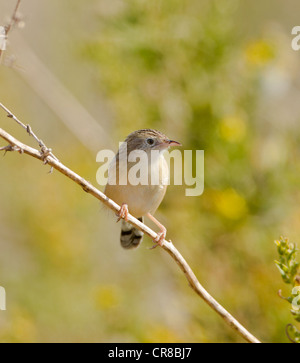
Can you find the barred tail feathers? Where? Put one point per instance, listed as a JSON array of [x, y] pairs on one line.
[[130, 236]]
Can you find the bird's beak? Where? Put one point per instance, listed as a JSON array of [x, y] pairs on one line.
[[173, 143]]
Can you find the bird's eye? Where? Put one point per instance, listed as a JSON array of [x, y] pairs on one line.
[[150, 141]]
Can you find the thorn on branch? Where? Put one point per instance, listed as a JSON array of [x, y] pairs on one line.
[[6, 149], [28, 129], [11, 148]]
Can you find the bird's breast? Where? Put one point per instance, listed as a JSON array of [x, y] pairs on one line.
[[142, 199]]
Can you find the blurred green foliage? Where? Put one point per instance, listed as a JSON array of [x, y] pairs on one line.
[[288, 267], [293, 333], [212, 74]]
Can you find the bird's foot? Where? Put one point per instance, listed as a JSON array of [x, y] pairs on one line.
[[162, 233], [158, 241], [123, 212]]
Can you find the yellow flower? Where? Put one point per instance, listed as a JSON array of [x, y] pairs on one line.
[[259, 52], [232, 129], [230, 204], [106, 297]]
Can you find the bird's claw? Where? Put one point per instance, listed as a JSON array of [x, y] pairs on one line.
[[158, 241], [160, 237], [123, 213]]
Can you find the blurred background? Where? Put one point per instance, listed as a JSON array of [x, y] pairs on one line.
[[217, 75]]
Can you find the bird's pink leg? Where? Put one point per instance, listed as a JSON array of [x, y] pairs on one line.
[[123, 212], [163, 231]]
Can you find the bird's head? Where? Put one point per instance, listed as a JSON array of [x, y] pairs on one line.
[[148, 140]]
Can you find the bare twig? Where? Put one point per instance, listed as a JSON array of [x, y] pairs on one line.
[[26, 127], [44, 150], [50, 159], [13, 20]]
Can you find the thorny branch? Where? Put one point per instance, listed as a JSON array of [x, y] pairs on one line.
[[46, 156], [26, 127], [44, 150]]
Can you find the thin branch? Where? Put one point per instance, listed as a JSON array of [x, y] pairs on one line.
[[168, 246], [13, 20], [26, 127], [44, 150]]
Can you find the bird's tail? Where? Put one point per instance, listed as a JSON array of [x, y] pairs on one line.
[[130, 236]]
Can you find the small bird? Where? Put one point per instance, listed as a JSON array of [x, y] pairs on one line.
[[143, 198]]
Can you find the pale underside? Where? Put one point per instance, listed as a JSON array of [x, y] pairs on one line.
[[141, 199]]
